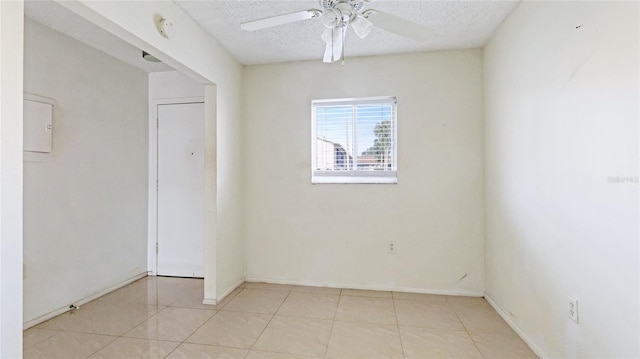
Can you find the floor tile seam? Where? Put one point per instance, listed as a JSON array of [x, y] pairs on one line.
[[466, 330], [475, 344], [219, 346], [114, 337], [214, 345], [277, 352], [36, 327], [463, 330], [395, 312], [214, 311], [364, 322], [275, 314], [154, 339], [333, 322], [198, 328], [122, 335], [38, 342], [229, 298], [220, 307], [243, 311], [301, 317], [330, 290], [102, 347], [509, 335], [84, 332], [173, 350], [270, 320], [425, 301], [430, 301], [333, 295], [463, 309], [168, 340], [208, 345]]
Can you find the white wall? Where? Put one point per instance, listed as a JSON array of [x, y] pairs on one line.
[[561, 121], [172, 85], [194, 52], [11, 72], [230, 184], [85, 205], [337, 235]]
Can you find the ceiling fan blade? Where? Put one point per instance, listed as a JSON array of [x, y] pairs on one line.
[[398, 25], [280, 20]]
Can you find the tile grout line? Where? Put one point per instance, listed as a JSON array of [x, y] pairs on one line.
[[106, 345], [333, 322], [272, 316], [395, 310], [455, 310], [218, 310], [156, 304], [458, 308]]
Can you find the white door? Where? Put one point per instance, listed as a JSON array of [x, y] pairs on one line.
[[181, 190]]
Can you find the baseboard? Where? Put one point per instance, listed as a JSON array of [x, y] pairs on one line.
[[208, 301], [366, 287], [515, 328], [81, 301]]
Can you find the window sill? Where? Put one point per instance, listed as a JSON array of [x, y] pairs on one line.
[[354, 179]]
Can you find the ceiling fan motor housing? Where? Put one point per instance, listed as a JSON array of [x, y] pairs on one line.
[[348, 9]]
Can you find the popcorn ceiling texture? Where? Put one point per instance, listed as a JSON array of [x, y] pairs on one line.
[[455, 25]]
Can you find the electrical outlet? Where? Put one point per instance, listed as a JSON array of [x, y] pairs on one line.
[[392, 248], [573, 309]]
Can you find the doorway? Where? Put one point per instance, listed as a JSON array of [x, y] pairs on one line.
[[180, 190]]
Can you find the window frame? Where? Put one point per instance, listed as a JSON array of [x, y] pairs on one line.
[[355, 176]]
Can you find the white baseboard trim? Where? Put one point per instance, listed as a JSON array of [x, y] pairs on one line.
[[206, 301], [463, 293], [209, 301], [82, 301], [515, 328]]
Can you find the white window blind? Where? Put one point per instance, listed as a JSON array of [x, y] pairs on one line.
[[354, 140]]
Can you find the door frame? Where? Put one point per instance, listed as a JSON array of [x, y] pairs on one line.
[[152, 254]]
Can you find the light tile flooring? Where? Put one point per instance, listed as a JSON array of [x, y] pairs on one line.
[[160, 317]]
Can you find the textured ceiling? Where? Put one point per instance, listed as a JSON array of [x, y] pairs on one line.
[[59, 18], [454, 25]]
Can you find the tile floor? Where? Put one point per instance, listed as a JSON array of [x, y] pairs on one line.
[[160, 317]]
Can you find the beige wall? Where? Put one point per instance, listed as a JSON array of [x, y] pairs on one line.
[[85, 204], [561, 125], [337, 235]]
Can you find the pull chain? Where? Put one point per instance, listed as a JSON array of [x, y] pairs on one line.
[[344, 38]]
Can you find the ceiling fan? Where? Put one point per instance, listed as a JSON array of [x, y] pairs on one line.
[[336, 16]]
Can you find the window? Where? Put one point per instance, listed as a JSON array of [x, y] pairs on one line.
[[354, 140]]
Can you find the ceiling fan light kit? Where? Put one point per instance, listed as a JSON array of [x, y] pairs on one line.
[[336, 16], [362, 26]]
